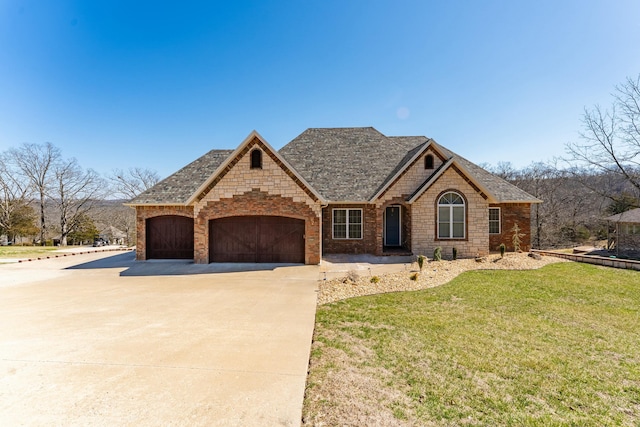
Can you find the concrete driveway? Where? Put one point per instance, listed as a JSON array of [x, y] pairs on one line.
[[98, 339]]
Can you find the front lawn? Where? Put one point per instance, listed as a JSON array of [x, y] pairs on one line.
[[26, 251], [554, 346]]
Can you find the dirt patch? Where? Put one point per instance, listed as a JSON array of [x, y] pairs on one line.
[[358, 393], [434, 273]]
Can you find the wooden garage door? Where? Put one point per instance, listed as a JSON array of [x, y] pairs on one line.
[[170, 237], [256, 239]]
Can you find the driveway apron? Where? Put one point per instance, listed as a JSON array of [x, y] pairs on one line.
[[99, 339]]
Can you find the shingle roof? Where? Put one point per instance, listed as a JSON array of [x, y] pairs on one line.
[[341, 164], [502, 190], [632, 216], [179, 187], [346, 164]]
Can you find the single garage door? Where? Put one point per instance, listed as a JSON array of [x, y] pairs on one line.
[[256, 239], [170, 237]]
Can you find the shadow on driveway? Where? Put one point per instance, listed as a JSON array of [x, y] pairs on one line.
[[170, 267]]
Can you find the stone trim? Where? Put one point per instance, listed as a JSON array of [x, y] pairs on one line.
[[471, 183], [247, 148]]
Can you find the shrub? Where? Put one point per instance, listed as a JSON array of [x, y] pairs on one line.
[[502, 248], [421, 260], [455, 253], [437, 254], [517, 236], [414, 277], [375, 279]]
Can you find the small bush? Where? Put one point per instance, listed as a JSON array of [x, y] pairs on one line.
[[421, 260], [502, 248], [414, 277], [375, 279], [455, 253], [437, 254]]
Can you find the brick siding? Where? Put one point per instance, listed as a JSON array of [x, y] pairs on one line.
[[511, 213]]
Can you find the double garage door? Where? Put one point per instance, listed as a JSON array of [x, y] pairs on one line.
[[256, 239], [232, 239]]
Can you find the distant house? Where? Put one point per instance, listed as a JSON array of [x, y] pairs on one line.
[[345, 190], [626, 237]]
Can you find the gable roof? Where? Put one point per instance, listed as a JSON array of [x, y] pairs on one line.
[[632, 216], [194, 180], [176, 189], [359, 164], [347, 164], [254, 138], [333, 164]]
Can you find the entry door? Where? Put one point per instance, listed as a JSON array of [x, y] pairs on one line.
[[392, 226]]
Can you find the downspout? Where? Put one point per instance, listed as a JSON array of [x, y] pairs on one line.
[[322, 206]]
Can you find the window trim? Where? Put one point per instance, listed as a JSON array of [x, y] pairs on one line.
[[499, 220], [252, 161], [464, 221], [347, 223]]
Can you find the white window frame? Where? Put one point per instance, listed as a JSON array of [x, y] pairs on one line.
[[451, 222], [499, 220], [347, 224]]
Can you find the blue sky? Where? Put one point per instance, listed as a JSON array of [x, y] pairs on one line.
[[156, 84]]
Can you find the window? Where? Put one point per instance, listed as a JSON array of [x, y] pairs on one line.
[[428, 162], [347, 223], [451, 216], [256, 159], [630, 228], [494, 220]]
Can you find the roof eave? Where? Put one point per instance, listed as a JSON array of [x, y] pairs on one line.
[[229, 159], [390, 182], [430, 181], [133, 205]]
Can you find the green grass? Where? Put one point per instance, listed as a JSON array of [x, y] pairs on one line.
[[555, 346], [26, 251]]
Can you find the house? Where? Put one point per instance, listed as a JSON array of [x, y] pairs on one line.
[[626, 237], [339, 190]]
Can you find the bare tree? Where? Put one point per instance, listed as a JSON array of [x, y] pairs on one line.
[[35, 162], [13, 198], [610, 142], [128, 184], [74, 193]]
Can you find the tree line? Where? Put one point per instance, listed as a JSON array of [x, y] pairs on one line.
[[44, 194]]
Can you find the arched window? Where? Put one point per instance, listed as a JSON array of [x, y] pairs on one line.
[[451, 216], [256, 159], [428, 161]]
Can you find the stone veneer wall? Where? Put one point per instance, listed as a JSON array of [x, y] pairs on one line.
[[145, 212], [265, 191], [256, 202], [424, 227], [510, 213], [271, 179], [412, 178], [366, 245]]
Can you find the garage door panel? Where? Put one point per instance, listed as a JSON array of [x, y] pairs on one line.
[[256, 239], [169, 237]]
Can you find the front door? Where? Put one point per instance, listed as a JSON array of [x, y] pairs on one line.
[[392, 233]]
